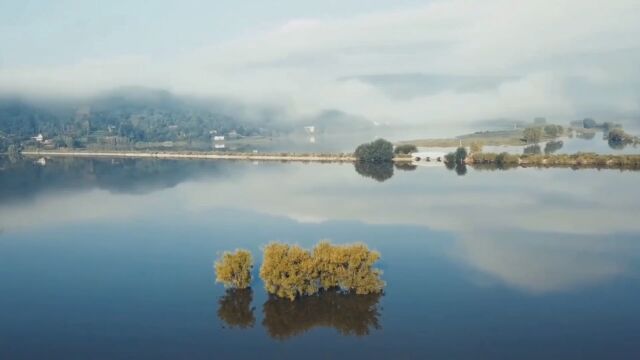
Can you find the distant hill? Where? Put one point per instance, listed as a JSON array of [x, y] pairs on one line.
[[127, 114]]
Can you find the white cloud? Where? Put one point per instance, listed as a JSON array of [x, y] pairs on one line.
[[538, 45]]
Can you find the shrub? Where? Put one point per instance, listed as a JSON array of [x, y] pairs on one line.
[[348, 267], [553, 130], [376, 151], [234, 269], [619, 136], [450, 158], [461, 155], [553, 146], [532, 150], [504, 159], [532, 135], [289, 271], [589, 123], [476, 147], [405, 149]]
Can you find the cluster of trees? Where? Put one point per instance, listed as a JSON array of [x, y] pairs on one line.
[[535, 134], [379, 150], [457, 160], [289, 271], [549, 148], [503, 159], [122, 117], [405, 149], [618, 138], [584, 160], [553, 146]]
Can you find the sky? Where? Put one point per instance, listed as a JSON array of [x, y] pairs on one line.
[[406, 62]]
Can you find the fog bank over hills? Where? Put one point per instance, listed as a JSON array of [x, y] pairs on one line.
[[444, 64]]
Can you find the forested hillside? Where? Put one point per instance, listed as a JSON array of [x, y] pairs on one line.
[[119, 118]]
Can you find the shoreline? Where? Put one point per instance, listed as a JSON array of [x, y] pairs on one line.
[[204, 155]]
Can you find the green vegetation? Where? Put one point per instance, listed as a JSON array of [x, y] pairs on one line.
[[405, 149], [234, 269], [505, 160], [121, 118], [289, 271], [234, 308], [618, 138], [532, 135], [553, 130], [457, 160], [589, 123], [376, 151], [553, 146], [532, 149], [457, 157], [476, 146], [535, 133]]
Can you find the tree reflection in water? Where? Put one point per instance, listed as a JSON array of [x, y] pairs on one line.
[[380, 171], [234, 308], [349, 314]]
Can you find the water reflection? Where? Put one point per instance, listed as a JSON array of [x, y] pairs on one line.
[[553, 146], [26, 178], [234, 308], [405, 166], [349, 314], [532, 150], [380, 171], [585, 135]]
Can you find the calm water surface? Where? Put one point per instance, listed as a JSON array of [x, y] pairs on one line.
[[110, 259]]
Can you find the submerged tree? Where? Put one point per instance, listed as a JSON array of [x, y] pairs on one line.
[[349, 314], [288, 271], [348, 267], [234, 269], [234, 308]]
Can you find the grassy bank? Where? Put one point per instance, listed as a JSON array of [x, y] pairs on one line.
[[579, 160], [315, 157]]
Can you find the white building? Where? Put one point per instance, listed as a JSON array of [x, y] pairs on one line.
[[38, 138], [310, 129], [218, 138]]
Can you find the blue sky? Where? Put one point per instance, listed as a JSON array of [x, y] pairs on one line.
[[561, 59]]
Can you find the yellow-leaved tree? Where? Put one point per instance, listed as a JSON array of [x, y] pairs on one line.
[[234, 269]]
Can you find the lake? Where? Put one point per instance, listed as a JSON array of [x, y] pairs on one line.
[[113, 259]]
